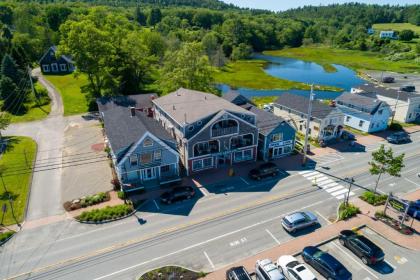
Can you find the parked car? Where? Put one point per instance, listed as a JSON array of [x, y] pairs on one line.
[[388, 79], [237, 273], [398, 137], [414, 209], [268, 169], [362, 247], [298, 220], [348, 135], [268, 108], [293, 269], [325, 264], [408, 88], [266, 270], [177, 194]]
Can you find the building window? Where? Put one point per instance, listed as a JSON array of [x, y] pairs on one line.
[[190, 128], [224, 127], [205, 148], [205, 163], [277, 137], [380, 112], [287, 149], [46, 68], [147, 142], [63, 67], [243, 155], [241, 141], [409, 116], [157, 155], [146, 158], [133, 160], [348, 118], [361, 123], [165, 168], [54, 67], [300, 127]]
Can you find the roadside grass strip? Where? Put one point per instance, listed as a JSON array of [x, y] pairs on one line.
[[324, 182]]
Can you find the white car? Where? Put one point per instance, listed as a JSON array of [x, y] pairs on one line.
[[293, 269]]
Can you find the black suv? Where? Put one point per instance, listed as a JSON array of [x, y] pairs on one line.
[[362, 247], [268, 169], [177, 194], [398, 137], [408, 88], [237, 273]]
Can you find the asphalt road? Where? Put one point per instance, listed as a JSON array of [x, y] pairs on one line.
[[210, 232]]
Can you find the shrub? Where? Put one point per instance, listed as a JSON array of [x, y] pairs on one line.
[[347, 211], [121, 195], [373, 199], [395, 126], [380, 214], [107, 213], [5, 235]]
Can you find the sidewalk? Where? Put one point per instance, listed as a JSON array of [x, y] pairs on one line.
[[327, 233]]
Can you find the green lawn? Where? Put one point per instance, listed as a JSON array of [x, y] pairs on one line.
[[69, 87], [357, 60], [36, 109], [261, 100], [250, 74], [17, 175], [396, 27]]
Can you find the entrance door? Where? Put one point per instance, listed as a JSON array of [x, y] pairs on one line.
[[149, 174], [277, 152]]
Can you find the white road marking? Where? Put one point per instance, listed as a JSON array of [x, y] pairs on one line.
[[339, 192], [322, 216], [322, 179], [330, 185], [325, 183], [157, 206], [352, 258], [341, 196], [339, 187], [208, 258], [312, 173], [205, 242], [245, 181], [203, 191], [408, 180], [272, 236]]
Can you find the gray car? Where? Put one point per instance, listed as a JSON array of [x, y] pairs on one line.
[[266, 270], [298, 220]]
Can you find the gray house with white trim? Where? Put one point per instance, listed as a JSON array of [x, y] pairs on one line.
[[51, 64], [143, 152]]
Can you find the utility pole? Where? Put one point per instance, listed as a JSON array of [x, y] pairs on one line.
[[32, 84], [395, 107], [350, 181], [308, 122]]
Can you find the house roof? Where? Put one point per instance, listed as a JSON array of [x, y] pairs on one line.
[[361, 102], [138, 101], [371, 90], [188, 106], [354, 112], [300, 104], [266, 122], [67, 58], [236, 98], [121, 128]]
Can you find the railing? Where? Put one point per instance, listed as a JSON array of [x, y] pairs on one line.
[[216, 132]]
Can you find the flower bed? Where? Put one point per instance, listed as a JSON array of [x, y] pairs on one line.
[[347, 211], [86, 201], [5, 236], [395, 224], [108, 213], [172, 272], [373, 199]]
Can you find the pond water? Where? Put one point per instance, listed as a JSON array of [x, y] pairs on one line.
[[305, 72]]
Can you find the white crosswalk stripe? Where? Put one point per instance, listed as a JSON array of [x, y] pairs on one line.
[[326, 159], [336, 190]]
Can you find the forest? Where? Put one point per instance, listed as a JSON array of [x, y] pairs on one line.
[[128, 46]]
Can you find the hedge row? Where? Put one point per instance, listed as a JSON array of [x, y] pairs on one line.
[[104, 214], [373, 199]]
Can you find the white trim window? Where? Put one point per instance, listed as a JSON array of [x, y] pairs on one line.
[[200, 164], [54, 67], [147, 142], [133, 160], [63, 67], [45, 68], [157, 155], [277, 137], [243, 155], [287, 149]]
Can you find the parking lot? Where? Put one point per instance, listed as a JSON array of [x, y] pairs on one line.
[[400, 79], [400, 263]]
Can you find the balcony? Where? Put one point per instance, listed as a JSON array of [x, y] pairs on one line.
[[225, 127]]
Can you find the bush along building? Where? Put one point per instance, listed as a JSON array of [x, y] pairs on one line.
[[51, 64], [143, 152], [276, 137], [210, 131]]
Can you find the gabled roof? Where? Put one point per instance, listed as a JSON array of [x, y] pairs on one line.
[[189, 106], [371, 90], [266, 122], [359, 102], [300, 104], [54, 49], [237, 98], [124, 130]]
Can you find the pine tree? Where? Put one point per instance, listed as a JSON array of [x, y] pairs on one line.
[[9, 94], [10, 69]]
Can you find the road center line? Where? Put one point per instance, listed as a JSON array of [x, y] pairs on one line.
[[272, 236], [208, 258], [352, 258]]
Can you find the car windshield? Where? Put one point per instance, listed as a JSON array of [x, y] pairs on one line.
[[300, 268], [292, 264]]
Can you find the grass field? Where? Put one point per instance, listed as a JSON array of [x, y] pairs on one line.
[[69, 87], [396, 27], [17, 175], [36, 110], [357, 60], [250, 74]]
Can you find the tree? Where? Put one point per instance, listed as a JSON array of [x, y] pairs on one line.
[[4, 122], [10, 69], [6, 14], [188, 68], [56, 15], [139, 16], [9, 94], [155, 17], [406, 35], [384, 161], [241, 52]]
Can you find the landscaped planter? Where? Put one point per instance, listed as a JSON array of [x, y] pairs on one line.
[[172, 273], [107, 214], [6, 236], [394, 224], [373, 199], [86, 201]]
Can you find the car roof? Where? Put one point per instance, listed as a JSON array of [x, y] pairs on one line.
[[268, 164], [272, 270], [286, 259], [240, 272], [304, 272], [331, 261], [368, 243], [294, 217]]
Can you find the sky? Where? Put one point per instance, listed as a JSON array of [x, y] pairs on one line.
[[281, 5]]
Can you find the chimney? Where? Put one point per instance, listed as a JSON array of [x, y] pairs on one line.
[[133, 111]]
